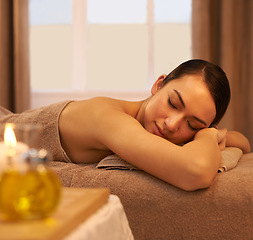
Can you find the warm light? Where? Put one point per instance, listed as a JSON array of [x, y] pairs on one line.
[[10, 139]]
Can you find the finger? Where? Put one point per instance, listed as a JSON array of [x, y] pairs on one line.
[[222, 145], [221, 134]]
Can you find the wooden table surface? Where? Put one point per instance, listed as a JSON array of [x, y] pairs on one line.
[[75, 207]]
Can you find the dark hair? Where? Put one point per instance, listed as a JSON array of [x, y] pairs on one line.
[[215, 79]]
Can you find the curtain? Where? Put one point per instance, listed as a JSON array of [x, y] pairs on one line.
[[14, 55], [222, 33]]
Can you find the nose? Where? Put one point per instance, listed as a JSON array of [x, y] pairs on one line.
[[172, 123]]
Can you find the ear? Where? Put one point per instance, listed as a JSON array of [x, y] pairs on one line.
[[158, 84]]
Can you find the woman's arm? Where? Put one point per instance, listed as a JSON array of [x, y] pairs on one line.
[[190, 167]]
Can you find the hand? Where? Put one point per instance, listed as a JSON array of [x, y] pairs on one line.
[[221, 135], [222, 138]]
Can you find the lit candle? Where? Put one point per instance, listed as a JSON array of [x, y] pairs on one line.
[[10, 149]]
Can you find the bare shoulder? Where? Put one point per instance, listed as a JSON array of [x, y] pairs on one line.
[[94, 126], [108, 117], [99, 105]]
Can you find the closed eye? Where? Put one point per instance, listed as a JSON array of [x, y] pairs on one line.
[[191, 127], [171, 104]]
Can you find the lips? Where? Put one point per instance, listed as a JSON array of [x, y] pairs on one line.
[[159, 132]]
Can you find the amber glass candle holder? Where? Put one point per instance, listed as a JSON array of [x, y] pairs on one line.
[[29, 189]]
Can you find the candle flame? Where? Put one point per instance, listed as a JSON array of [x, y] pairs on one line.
[[10, 140]]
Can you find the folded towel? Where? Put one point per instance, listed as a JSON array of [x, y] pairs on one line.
[[229, 159], [113, 161]]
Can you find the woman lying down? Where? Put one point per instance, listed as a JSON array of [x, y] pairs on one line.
[[169, 135]]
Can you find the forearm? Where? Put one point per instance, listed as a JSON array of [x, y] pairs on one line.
[[207, 148], [236, 139], [205, 156]]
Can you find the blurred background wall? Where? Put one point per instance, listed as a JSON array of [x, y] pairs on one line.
[[53, 50]]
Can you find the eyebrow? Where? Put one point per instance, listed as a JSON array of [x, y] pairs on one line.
[[182, 102], [180, 97]]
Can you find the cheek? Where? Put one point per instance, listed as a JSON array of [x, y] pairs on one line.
[[147, 118], [154, 109]]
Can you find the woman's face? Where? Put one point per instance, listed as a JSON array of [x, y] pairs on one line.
[[179, 109]]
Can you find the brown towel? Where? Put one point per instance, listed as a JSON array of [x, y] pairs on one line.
[[47, 118], [230, 158], [4, 111], [113, 161], [157, 210]]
